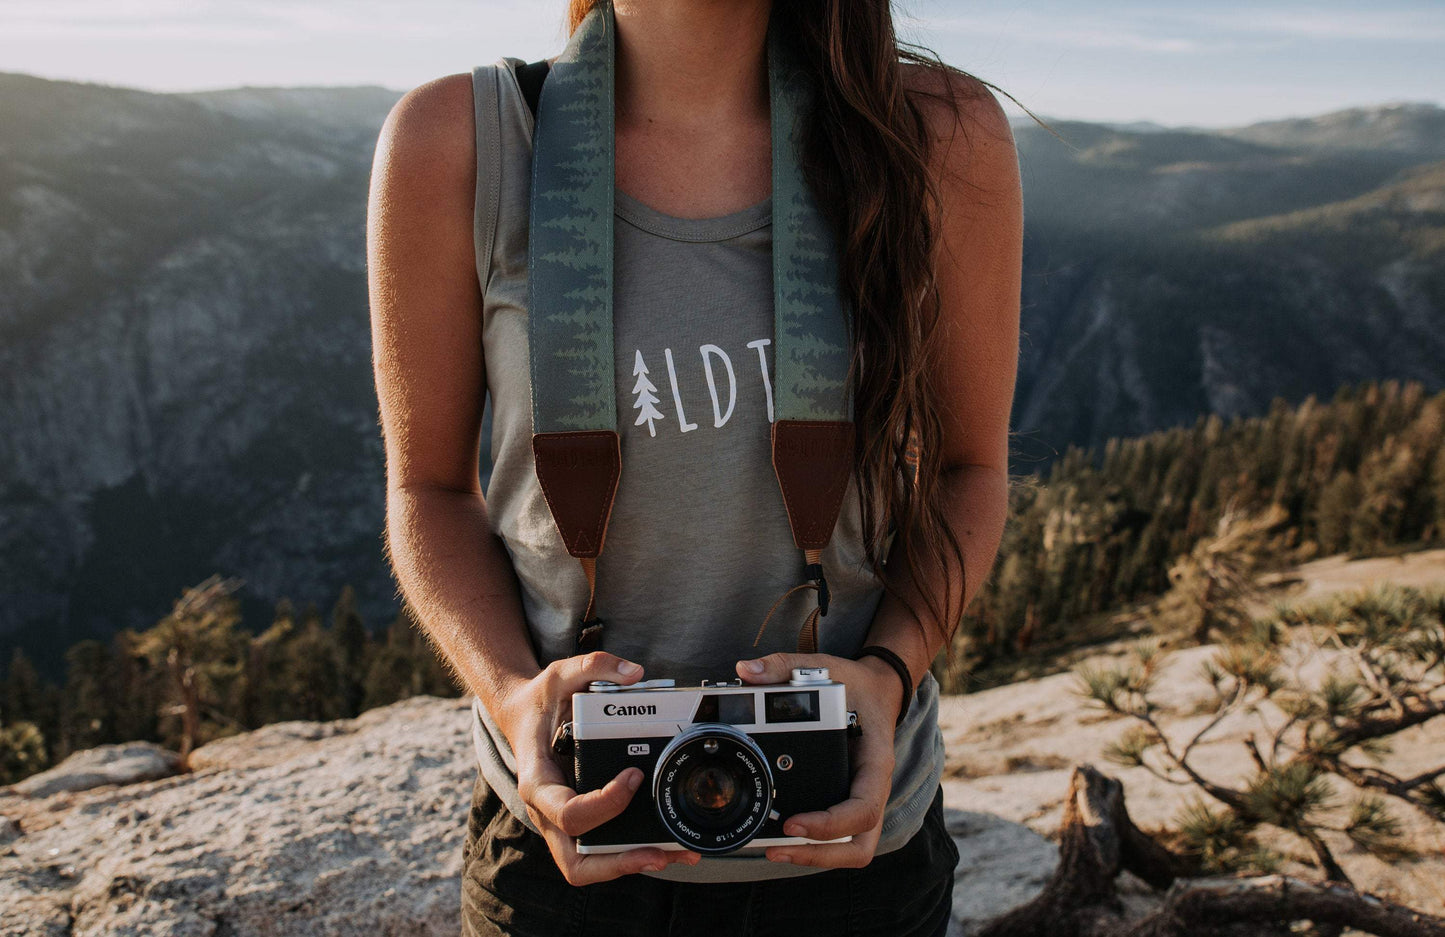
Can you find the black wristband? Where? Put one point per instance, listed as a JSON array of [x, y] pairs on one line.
[[896, 662]]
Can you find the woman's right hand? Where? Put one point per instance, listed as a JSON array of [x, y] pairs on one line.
[[533, 711]]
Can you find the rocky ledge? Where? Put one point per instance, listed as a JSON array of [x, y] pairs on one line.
[[355, 827], [339, 828]]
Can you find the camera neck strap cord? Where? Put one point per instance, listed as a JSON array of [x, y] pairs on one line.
[[575, 441]]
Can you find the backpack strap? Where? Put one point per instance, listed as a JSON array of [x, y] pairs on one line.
[[529, 79]]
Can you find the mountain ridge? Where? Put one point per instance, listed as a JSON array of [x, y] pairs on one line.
[[184, 327]]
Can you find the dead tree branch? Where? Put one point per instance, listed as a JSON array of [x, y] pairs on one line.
[[1199, 907]]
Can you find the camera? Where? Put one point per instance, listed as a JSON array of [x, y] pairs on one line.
[[723, 763]]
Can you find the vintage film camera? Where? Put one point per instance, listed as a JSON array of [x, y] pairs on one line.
[[723, 763]]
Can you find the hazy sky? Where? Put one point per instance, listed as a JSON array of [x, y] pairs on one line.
[[1217, 64]]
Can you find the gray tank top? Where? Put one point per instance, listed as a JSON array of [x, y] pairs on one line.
[[698, 547]]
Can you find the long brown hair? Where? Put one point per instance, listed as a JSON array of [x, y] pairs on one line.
[[866, 154]]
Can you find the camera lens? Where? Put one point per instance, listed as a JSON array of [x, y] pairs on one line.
[[712, 788]]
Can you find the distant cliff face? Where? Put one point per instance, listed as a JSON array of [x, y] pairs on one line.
[[1170, 274], [186, 352]]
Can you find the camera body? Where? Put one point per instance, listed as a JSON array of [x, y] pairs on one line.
[[723, 763]]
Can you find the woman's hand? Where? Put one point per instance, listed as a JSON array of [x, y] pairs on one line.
[[875, 695], [533, 711]]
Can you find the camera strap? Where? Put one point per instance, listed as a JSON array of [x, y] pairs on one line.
[[575, 441]]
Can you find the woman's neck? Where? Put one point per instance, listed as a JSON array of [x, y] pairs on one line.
[[691, 64]]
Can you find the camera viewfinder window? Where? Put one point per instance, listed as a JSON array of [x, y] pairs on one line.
[[734, 709], [801, 706]]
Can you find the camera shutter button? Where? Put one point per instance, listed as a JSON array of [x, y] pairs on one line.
[[808, 676], [607, 686]]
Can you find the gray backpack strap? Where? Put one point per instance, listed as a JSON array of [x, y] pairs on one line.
[[487, 108]]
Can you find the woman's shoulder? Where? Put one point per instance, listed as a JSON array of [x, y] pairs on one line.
[[431, 130], [960, 108]]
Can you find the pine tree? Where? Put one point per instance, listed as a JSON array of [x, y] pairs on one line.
[[88, 704], [392, 674], [407, 664], [351, 646], [1382, 679], [646, 393], [1336, 506], [260, 699], [1437, 494], [23, 700], [200, 650], [309, 679], [436, 677], [22, 751], [138, 691]]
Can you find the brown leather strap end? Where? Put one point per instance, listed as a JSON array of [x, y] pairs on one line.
[[578, 472], [813, 460]]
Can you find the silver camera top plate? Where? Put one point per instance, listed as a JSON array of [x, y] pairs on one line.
[[657, 711]]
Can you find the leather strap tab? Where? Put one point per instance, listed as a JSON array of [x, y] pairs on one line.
[[578, 472], [813, 460], [815, 573]]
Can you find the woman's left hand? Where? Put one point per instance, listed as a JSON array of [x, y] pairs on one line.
[[875, 695]]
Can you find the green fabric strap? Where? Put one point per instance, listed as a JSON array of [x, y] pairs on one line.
[[570, 248]]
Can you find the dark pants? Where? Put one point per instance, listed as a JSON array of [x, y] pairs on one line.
[[512, 886]]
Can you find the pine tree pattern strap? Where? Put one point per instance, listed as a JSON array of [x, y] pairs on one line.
[[570, 301]]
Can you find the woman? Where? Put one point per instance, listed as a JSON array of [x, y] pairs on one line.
[[914, 166]]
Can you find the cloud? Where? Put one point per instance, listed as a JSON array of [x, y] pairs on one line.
[[257, 21], [1071, 30], [1184, 32], [1036, 28], [1410, 26]]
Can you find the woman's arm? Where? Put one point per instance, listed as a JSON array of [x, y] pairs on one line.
[[979, 269], [980, 273], [426, 321]]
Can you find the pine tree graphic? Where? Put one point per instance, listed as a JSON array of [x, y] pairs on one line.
[[646, 393]]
